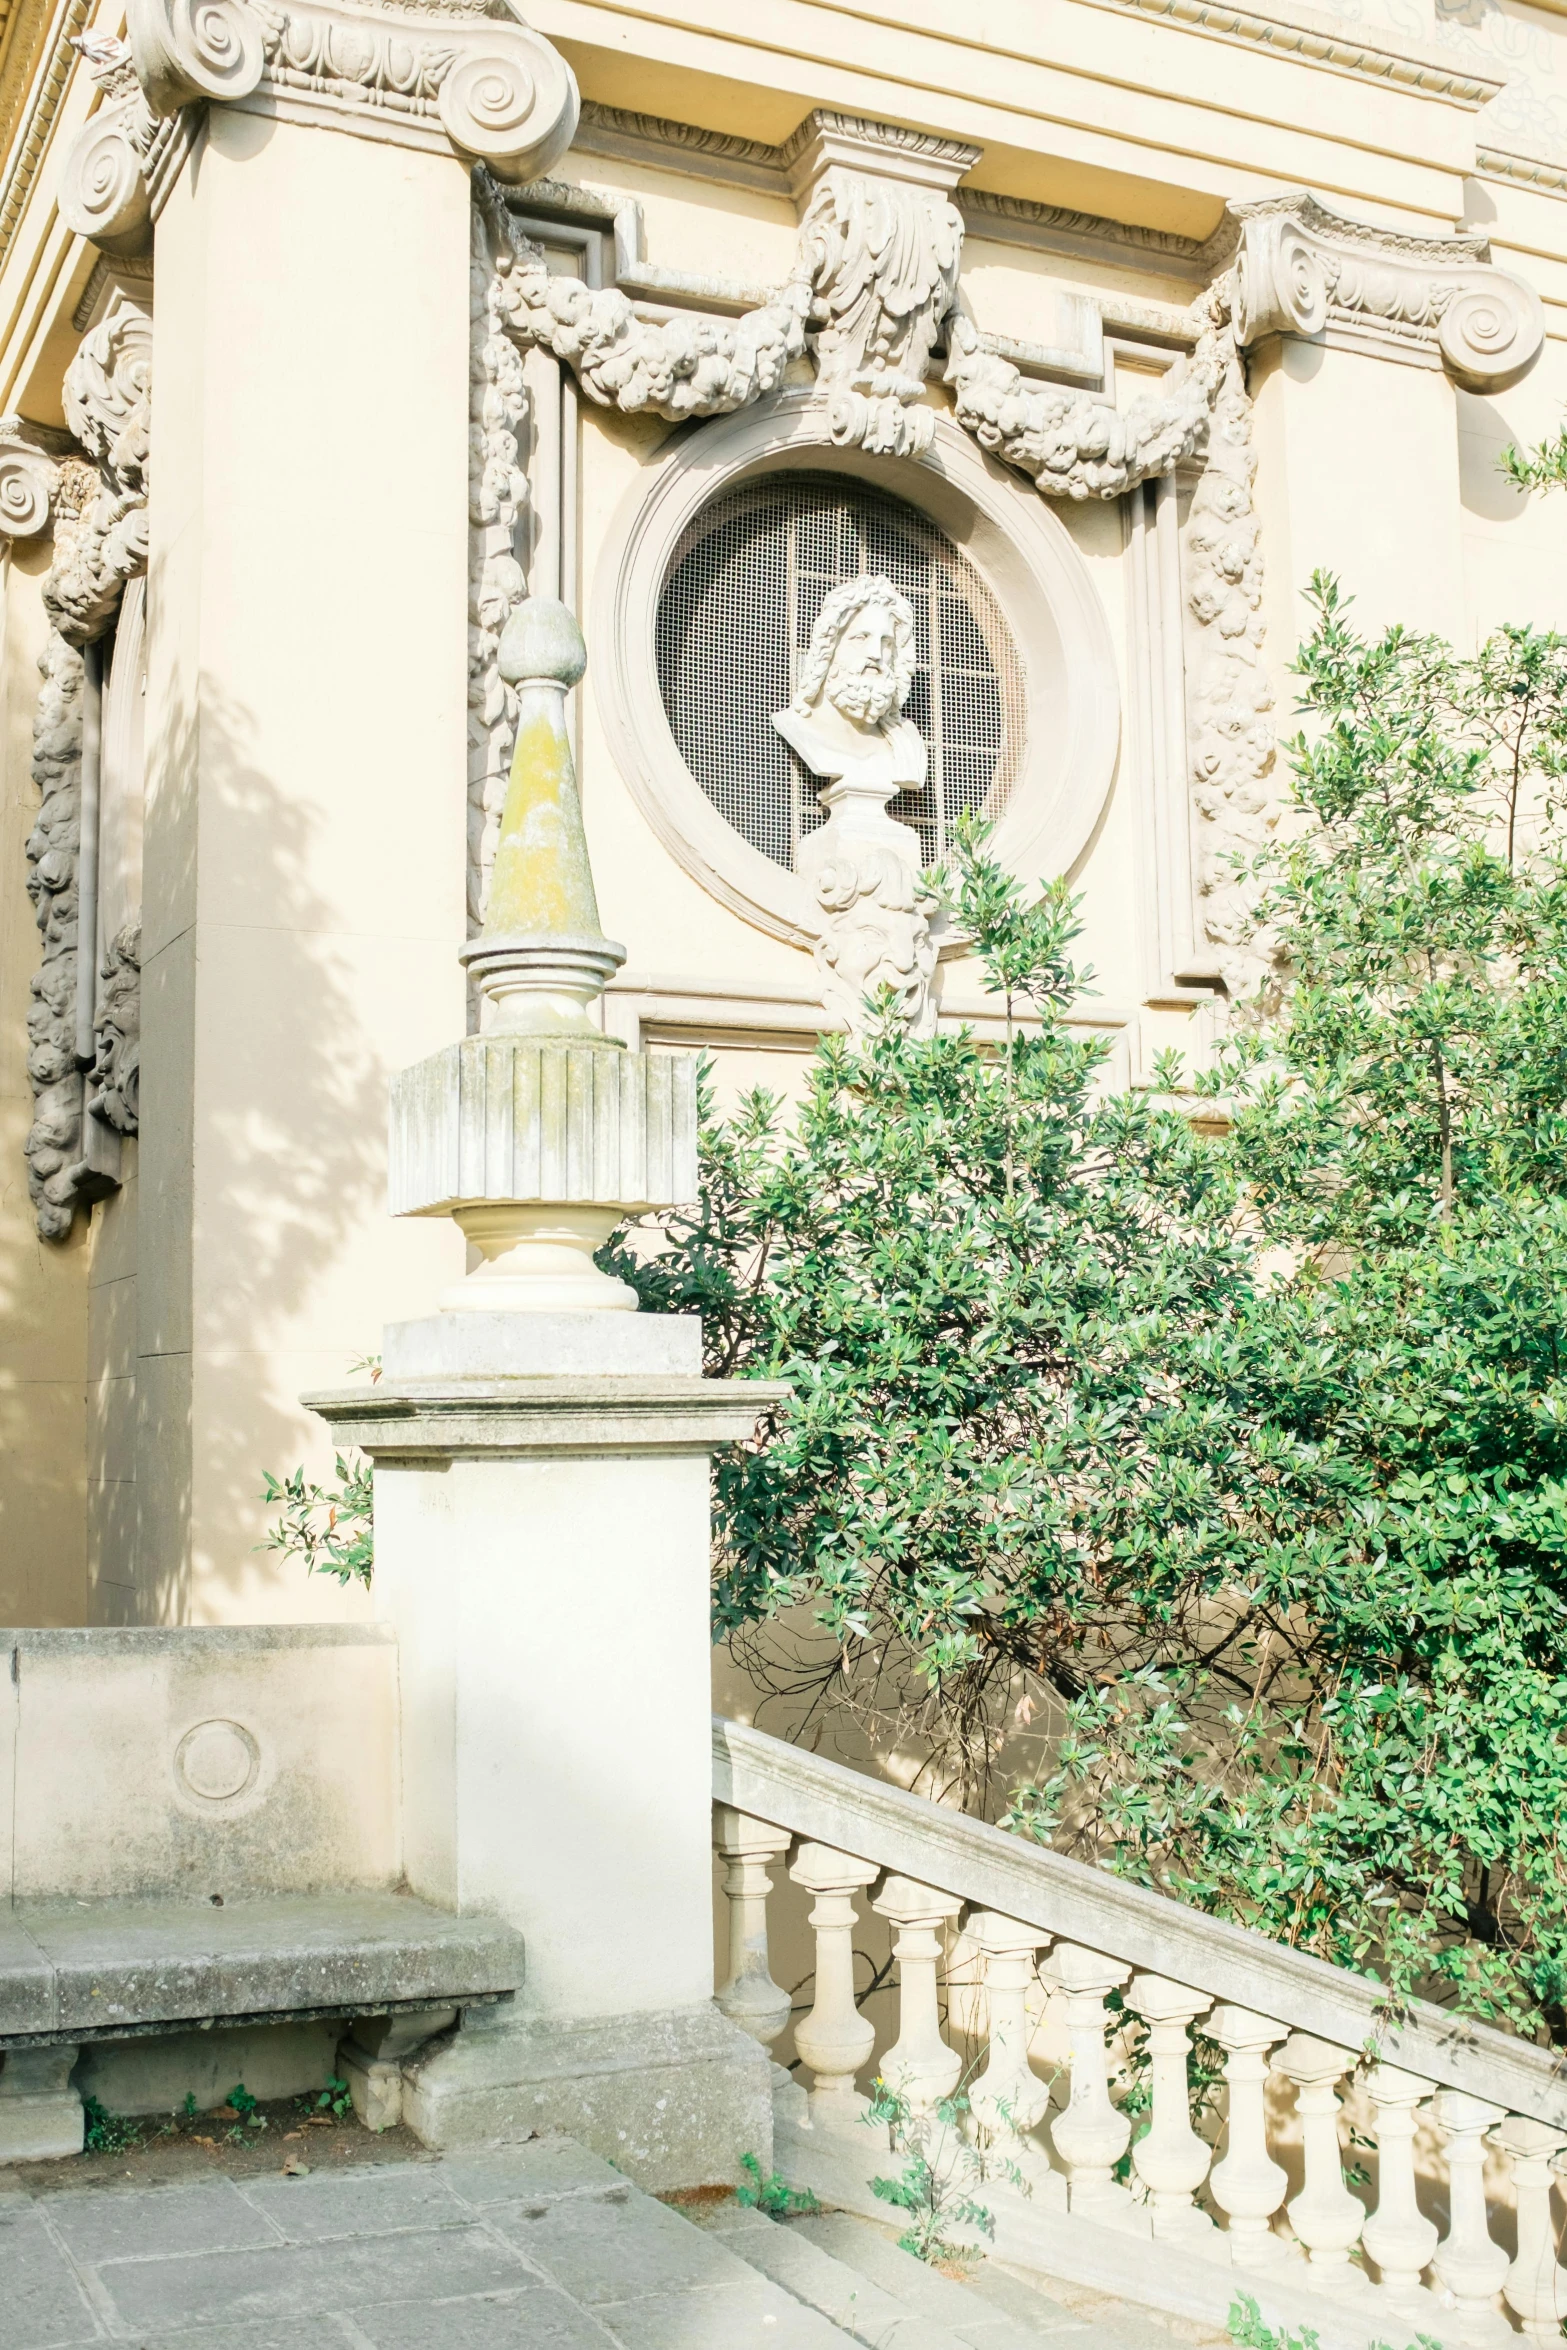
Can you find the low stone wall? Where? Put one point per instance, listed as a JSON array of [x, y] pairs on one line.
[[200, 1763], [207, 1762]]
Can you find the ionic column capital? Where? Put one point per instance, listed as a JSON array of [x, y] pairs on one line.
[[448, 75], [1303, 270]]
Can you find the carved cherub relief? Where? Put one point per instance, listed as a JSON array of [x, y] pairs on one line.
[[863, 867]]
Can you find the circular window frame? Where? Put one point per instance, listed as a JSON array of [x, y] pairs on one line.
[[1026, 557]]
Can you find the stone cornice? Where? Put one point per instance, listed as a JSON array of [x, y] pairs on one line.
[[592, 1413], [1053, 228], [1529, 171], [1308, 37], [35, 79]]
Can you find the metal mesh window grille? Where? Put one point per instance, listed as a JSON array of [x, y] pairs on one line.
[[734, 622]]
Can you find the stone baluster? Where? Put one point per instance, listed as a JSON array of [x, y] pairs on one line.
[[1534, 2283], [1248, 2185], [1091, 2134], [1170, 2158], [919, 2066], [749, 1996], [1009, 2099], [1325, 2216], [1398, 2236], [835, 2040], [1467, 2263]]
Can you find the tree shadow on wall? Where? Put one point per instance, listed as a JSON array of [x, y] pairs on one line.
[[259, 1067]]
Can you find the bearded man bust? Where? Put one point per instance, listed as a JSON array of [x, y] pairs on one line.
[[863, 867]]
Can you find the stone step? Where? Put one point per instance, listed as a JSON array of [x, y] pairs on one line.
[[988, 2310], [1051, 2307], [853, 2301]]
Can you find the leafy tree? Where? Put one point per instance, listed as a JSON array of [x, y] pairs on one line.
[[977, 1274], [1238, 1453]]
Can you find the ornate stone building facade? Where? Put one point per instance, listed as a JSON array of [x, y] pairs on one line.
[[923, 413]]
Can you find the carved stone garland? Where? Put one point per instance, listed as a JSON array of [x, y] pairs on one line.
[[1229, 699], [100, 543], [497, 500], [53, 1148]]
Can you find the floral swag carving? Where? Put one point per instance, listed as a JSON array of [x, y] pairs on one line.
[[100, 543]]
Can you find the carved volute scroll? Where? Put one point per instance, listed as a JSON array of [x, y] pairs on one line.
[[187, 49], [103, 189], [28, 479], [1302, 270], [471, 69]]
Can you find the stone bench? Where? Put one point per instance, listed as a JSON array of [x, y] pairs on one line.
[[74, 1972]]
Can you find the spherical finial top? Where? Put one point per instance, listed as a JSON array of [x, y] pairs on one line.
[[541, 641]]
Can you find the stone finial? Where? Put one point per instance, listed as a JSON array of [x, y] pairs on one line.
[[542, 957], [541, 1134]]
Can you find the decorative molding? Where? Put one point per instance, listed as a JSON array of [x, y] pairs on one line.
[[103, 193], [108, 406], [680, 146], [468, 72], [114, 1080], [53, 1148], [37, 78], [1073, 444], [1049, 228], [497, 502], [1228, 697], [1307, 38], [880, 244], [677, 367], [130, 274], [1530, 171], [100, 542], [1303, 270]]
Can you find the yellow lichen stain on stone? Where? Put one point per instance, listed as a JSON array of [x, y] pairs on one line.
[[541, 884]]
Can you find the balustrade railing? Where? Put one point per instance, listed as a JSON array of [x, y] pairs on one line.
[[1249, 2164]]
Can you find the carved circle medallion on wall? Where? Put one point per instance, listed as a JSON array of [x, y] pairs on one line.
[[217, 1761], [707, 587]]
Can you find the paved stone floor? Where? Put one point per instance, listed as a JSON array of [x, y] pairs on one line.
[[533, 2247], [537, 2247]]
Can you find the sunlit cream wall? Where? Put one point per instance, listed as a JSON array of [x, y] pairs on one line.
[[305, 852]]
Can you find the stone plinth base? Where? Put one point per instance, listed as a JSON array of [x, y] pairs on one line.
[[41, 2115], [672, 2099]]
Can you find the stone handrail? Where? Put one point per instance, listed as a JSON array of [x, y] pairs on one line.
[[833, 1805], [1128, 1975]]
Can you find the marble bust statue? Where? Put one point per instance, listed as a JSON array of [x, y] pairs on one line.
[[863, 867], [846, 717]]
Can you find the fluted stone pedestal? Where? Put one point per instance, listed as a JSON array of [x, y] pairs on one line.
[[541, 1545]]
